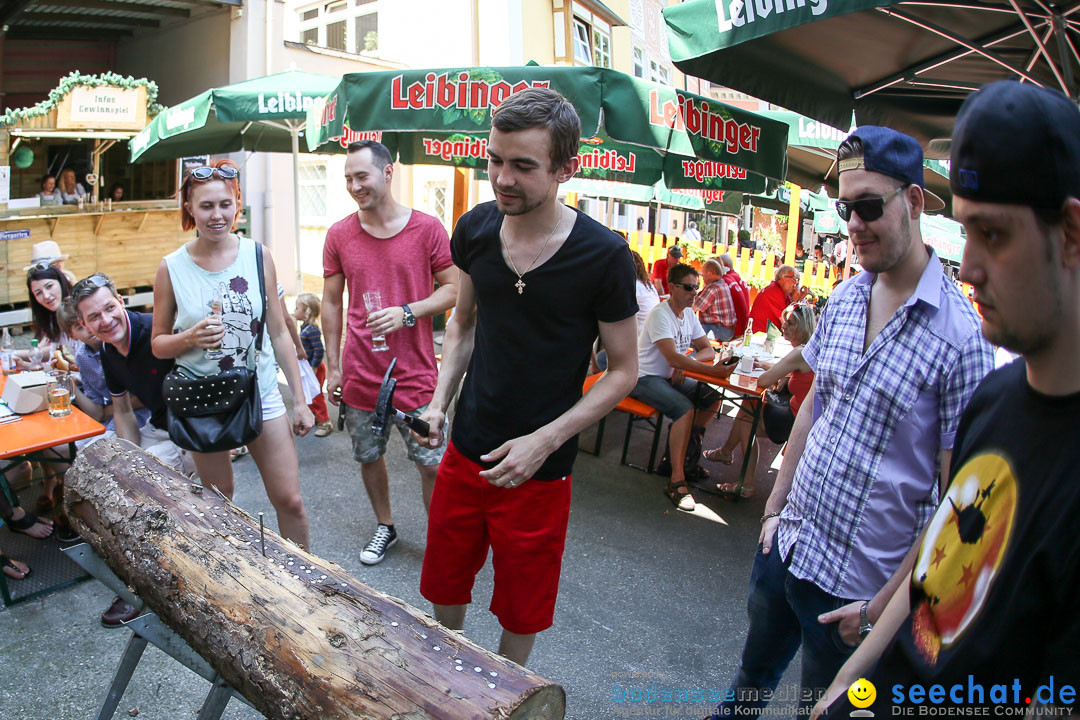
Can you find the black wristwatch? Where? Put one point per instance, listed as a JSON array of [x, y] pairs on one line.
[[865, 626], [409, 319]]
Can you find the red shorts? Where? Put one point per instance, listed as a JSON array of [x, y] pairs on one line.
[[525, 528]]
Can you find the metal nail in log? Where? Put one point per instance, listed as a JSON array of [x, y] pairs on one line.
[[385, 410], [296, 635]]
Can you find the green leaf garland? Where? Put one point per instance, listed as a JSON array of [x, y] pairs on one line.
[[74, 79]]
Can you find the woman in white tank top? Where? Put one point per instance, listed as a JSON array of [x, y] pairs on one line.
[[220, 260]]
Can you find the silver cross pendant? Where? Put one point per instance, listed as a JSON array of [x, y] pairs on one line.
[[520, 285]]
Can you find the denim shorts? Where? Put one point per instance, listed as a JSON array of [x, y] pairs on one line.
[[720, 332], [367, 447], [674, 401]]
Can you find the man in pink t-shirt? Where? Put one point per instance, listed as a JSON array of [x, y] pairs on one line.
[[401, 253]]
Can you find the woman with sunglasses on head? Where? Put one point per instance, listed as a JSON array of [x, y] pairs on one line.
[[218, 262], [791, 378]]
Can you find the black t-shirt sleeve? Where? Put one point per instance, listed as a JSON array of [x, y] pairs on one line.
[[617, 296], [115, 386], [466, 242]]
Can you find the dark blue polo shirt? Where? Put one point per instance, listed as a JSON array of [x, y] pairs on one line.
[[139, 372]]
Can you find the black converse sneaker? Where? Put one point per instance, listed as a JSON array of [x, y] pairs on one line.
[[383, 539]]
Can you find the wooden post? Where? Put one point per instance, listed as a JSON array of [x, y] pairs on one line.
[[296, 635]]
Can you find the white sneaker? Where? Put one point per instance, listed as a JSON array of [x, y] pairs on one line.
[[384, 538]]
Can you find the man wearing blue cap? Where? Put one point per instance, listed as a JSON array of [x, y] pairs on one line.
[[896, 356], [991, 601]]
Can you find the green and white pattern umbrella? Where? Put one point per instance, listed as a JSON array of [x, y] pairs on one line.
[[634, 130]]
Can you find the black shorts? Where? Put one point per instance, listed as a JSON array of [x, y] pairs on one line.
[[778, 421]]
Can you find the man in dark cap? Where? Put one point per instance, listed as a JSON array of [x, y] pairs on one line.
[[896, 356], [989, 614]]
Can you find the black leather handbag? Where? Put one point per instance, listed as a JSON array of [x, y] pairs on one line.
[[218, 412]]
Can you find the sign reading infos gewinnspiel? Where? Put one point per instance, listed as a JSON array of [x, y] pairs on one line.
[[105, 108]]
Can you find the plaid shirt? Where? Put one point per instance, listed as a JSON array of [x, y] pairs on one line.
[[714, 304], [866, 483]]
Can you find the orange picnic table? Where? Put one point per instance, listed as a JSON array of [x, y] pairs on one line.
[[25, 438], [28, 439]]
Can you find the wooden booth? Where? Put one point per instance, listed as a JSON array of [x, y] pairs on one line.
[[84, 125]]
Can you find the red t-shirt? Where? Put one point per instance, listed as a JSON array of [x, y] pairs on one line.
[[798, 385], [402, 268], [659, 272], [768, 306], [740, 295]]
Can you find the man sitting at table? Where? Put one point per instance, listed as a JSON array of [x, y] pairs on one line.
[[714, 305], [130, 369], [740, 293], [670, 331], [770, 302]]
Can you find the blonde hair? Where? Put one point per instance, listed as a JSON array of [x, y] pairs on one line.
[[311, 306]]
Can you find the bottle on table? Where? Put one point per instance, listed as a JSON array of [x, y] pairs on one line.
[[35, 356], [7, 353], [748, 334]]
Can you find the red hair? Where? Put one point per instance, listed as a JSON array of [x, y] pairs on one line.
[[187, 221]]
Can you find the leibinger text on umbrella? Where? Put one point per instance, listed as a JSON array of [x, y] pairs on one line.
[[684, 114], [477, 148], [702, 169], [743, 12], [349, 136], [294, 101], [439, 91]]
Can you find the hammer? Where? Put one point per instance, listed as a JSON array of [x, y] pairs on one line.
[[385, 410]]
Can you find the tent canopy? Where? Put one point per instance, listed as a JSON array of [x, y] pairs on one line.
[[900, 63]]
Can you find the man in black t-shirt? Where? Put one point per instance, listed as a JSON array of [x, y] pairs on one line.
[[991, 615], [538, 281]]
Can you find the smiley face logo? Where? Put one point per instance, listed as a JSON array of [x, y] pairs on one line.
[[862, 693]]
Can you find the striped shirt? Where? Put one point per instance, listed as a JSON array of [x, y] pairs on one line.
[[311, 339], [867, 481], [715, 306]]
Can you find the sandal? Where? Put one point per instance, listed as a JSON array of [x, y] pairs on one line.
[[238, 453], [682, 500], [12, 570], [718, 455], [27, 521], [729, 488]]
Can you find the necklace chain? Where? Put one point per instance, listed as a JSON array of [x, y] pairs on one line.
[[520, 284]]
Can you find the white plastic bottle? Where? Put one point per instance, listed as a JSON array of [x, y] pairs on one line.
[[7, 353], [35, 356]]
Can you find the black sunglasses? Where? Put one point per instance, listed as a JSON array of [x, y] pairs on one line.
[[205, 173], [686, 286], [868, 209]]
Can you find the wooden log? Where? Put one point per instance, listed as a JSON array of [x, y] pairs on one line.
[[296, 635]]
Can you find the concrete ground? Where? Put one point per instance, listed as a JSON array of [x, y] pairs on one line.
[[649, 595]]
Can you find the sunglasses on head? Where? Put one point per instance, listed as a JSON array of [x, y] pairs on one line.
[[205, 173], [38, 267], [90, 285], [689, 287], [868, 209]]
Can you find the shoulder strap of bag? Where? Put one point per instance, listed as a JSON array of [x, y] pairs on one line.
[[262, 293]]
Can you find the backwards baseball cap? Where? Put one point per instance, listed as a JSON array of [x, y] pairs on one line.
[[675, 251], [889, 152], [1016, 143]]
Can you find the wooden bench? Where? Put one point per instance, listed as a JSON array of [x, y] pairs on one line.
[[638, 412]]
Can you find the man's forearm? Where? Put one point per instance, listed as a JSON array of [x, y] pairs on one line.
[[604, 395], [457, 350], [127, 427], [795, 446], [437, 302], [332, 330]]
